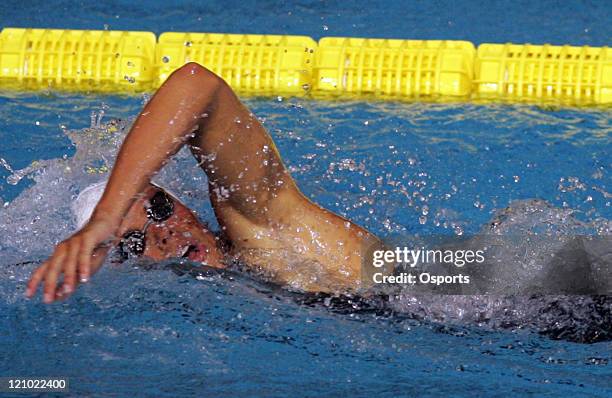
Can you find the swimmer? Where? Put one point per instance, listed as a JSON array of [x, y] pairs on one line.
[[266, 221]]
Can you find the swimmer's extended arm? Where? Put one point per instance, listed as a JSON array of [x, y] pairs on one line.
[[166, 123], [236, 152], [197, 107]]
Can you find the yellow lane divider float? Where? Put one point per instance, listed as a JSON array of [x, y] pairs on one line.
[[393, 68], [251, 64], [76, 59], [530, 73], [117, 61]]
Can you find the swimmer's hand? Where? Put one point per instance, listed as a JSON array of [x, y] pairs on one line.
[[82, 254]]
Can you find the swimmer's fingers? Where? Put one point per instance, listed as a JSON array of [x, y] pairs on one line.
[[37, 276], [84, 258], [70, 267], [55, 266], [61, 292]]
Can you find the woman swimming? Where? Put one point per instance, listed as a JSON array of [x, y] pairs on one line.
[[267, 224], [265, 219]]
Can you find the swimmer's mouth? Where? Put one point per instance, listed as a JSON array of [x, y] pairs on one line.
[[188, 250], [195, 253]]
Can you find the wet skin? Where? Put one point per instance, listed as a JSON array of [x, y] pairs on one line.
[[269, 224]]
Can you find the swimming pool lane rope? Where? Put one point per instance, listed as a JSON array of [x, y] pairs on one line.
[[333, 67]]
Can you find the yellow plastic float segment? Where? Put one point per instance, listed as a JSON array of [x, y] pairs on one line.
[[394, 68], [576, 75], [84, 60], [251, 64]]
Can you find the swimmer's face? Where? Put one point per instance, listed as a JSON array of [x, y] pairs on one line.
[[179, 235]]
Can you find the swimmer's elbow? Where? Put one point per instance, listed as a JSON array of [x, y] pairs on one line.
[[198, 74]]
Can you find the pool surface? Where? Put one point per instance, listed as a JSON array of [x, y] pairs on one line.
[[395, 168]]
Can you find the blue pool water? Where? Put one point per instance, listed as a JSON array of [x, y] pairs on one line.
[[152, 332]]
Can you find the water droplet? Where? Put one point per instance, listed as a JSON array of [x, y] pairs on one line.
[[598, 174]]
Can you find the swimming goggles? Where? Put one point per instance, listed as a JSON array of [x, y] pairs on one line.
[[159, 209]]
